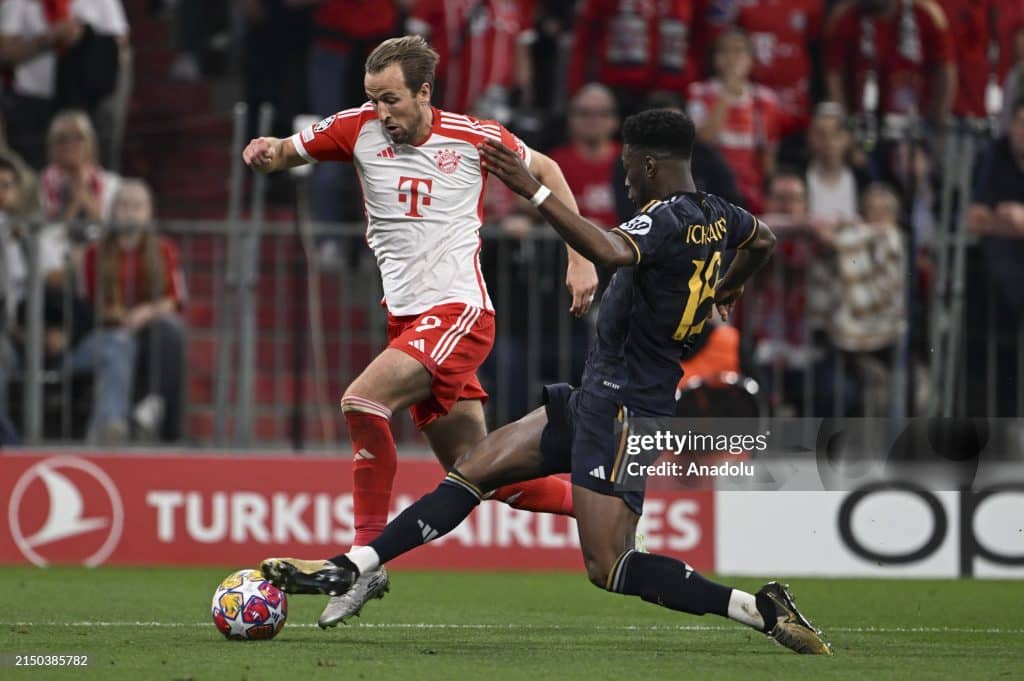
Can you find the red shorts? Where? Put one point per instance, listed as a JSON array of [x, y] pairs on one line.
[[451, 341]]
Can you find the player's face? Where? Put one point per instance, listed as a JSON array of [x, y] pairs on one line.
[[639, 169], [401, 111]]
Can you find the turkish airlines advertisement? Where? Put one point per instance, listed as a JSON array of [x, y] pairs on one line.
[[227, 510], [235, 510]]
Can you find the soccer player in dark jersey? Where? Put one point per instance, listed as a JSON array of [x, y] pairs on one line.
[[667, 260]]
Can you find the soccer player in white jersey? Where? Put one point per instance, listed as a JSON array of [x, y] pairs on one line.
[[423, 187]]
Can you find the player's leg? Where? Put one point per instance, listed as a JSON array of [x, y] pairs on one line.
[[392, 381], [606, 528], [453, 434], [607, 512], [506, 456], [453, 417]]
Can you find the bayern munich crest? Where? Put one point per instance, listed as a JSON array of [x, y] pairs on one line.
[[448, 160]]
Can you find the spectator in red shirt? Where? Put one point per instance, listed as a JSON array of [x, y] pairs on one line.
[[484, 47], [633, 46], [737, 116], [133, 278], [781, 32], [905, 43], [588, 161], [972, 23], [343, 33]]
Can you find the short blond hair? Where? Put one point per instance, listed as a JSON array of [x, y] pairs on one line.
[[80, 120], [412, 53]]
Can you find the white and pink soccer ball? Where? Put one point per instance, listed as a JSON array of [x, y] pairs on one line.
[[247, 607]]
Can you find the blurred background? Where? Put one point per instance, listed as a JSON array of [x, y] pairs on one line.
[[155, 291]]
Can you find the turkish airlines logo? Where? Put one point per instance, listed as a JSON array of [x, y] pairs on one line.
[[65, 509]]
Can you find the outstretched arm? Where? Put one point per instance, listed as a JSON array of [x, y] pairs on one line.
[[270, 154], [595, 244], [580, 275]]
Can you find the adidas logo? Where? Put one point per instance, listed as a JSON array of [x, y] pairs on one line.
[[363, 454], [386, 152], [598, 473], [427, 531], [419, 344]]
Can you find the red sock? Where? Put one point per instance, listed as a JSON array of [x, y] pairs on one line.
[[544, 495], [374, 465]]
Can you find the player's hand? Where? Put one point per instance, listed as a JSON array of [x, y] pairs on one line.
[[261, 154], [506, 165], [581, 280], [725, 300]]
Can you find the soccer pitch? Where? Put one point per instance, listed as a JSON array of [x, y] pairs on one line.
[[154, 623]]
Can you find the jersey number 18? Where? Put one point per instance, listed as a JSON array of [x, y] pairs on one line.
[[702, 287]]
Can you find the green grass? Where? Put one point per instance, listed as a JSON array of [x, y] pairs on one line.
[[529, 626]]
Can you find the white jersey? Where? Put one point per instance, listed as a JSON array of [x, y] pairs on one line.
[[424, 203]]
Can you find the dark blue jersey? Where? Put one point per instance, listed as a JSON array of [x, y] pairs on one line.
[[652, 309]]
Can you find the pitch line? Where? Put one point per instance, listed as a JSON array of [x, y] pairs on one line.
[[526, 627]]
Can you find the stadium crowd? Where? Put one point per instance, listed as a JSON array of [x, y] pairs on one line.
[[826, 117]]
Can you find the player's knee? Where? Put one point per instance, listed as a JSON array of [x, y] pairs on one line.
[[599, 563], [356, 404], [598, 571]]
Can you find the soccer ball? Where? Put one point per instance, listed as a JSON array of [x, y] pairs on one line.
[[247, 607]]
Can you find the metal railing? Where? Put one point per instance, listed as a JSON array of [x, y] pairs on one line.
[[274, 335], [302, 353]]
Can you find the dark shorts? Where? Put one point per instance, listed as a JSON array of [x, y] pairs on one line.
[[586, 436]]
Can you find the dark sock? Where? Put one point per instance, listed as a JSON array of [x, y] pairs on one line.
[[668, 582], [434, 515]]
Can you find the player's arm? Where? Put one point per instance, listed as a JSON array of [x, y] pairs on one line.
[[592, 242], [270, 154], [749, 258], [580, 275]]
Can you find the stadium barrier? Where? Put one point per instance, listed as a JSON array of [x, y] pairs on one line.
[[195, 509], [270, 371]]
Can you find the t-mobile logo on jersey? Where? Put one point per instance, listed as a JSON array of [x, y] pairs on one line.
[[412, 196]]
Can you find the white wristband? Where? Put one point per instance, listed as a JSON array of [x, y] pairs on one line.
[[542, 194]]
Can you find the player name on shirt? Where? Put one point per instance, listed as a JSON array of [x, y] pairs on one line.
[[706, 234]]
